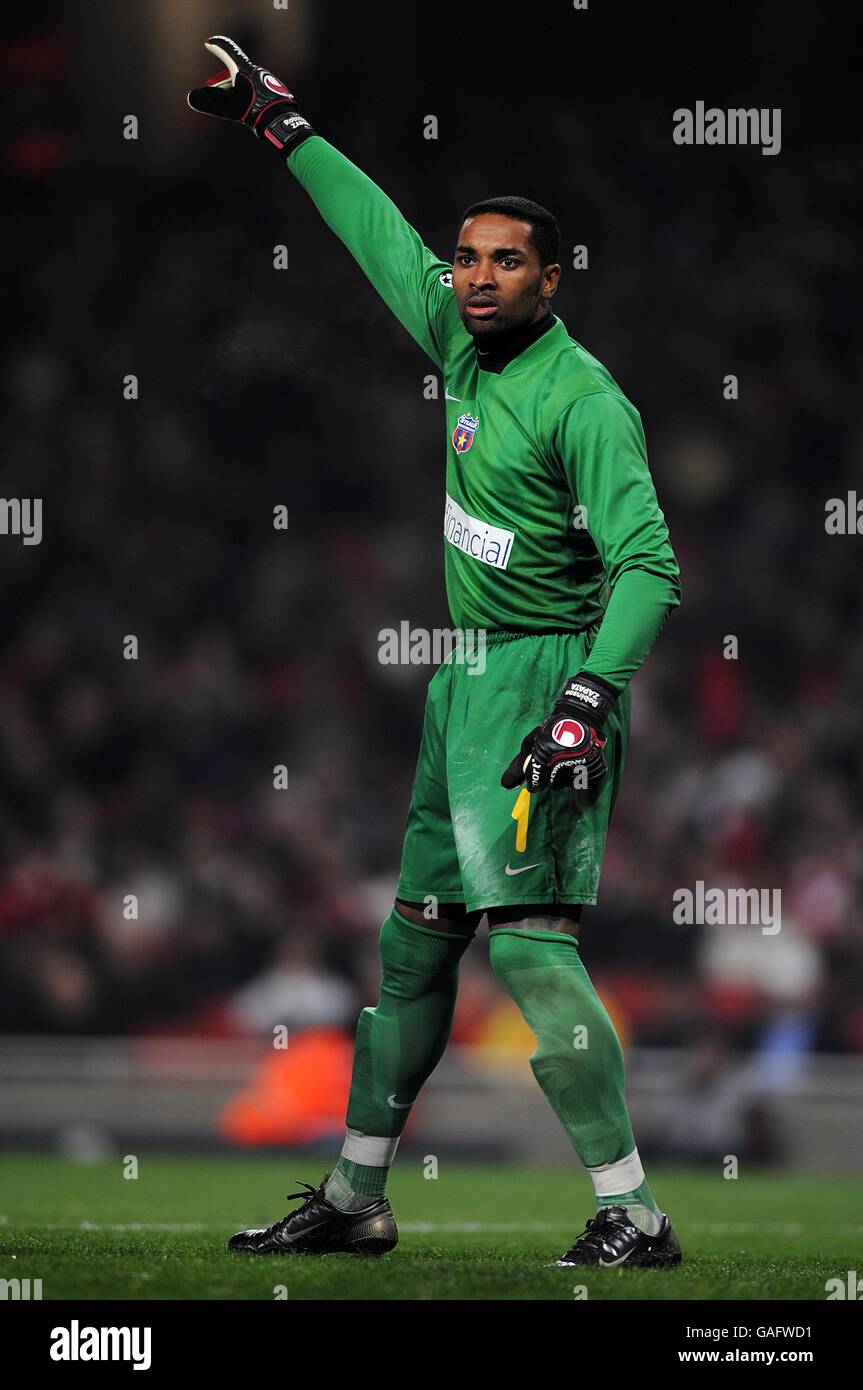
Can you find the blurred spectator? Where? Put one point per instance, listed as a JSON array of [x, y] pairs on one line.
[[153, 777], [722, 1109]]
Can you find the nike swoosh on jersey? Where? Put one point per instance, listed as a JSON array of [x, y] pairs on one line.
[[448, 397], [523, 870], [396, 1105]]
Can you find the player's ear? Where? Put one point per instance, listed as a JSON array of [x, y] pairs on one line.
[[550, 278]]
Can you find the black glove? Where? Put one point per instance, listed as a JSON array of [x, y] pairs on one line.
[[568, 747], [251, 95]]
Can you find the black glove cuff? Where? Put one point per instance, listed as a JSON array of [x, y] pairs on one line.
[[287, 131], [589, 695]]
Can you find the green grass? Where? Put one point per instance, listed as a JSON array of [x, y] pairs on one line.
[[88, 1233]]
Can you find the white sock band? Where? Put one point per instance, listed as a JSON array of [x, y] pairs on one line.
[[623, 1176], [369, 1149]]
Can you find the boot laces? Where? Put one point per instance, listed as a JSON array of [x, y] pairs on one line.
[[310, 1195], [595, 1236]]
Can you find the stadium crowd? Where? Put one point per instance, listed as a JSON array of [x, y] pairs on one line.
[[148, 777]]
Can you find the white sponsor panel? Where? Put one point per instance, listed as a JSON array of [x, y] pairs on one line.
[[491, 545]]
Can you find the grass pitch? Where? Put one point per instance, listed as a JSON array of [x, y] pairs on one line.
[[475, 1232]]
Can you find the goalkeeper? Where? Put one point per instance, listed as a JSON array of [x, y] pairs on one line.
[[556, 549]]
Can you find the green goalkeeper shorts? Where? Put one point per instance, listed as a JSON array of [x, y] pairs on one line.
[[460, 837]]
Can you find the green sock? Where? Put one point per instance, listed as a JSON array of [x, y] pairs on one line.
[[641, 1207], [399, 1043], [350, 1185], [578, 1061], [401, 1040]]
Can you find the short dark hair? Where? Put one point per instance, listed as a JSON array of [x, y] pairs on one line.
[[544, 230]]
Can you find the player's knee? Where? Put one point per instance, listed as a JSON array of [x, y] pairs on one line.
[[546, 991], [457, 918], [414, 958], [564, 919]]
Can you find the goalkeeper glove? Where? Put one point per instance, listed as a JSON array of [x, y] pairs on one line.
[[567, 750], [252, 95]]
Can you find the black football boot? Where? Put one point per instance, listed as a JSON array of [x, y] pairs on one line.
[[318, 1228], [609, 1239]]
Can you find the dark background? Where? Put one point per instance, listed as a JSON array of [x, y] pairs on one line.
[[260, 387]]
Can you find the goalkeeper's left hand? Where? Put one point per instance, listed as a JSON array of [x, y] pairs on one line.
[[568, 749], [251, 95]]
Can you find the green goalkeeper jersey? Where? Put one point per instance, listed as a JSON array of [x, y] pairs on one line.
[[551, 521]]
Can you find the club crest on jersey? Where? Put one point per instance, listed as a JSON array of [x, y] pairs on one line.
[[462, 435]]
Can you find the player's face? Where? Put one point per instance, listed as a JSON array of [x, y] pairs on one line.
[[499, 283]]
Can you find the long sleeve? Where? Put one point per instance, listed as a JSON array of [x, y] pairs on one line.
[[599, 441], [405, 273]]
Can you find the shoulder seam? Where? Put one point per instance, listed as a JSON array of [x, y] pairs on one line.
[[600, 391]]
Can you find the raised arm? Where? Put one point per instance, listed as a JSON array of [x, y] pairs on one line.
[[410, 279]]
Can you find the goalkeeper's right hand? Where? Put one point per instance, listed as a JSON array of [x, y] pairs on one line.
[[251, 95], [568, 746]]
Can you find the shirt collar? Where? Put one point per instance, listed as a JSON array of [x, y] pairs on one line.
[[506, 349]]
